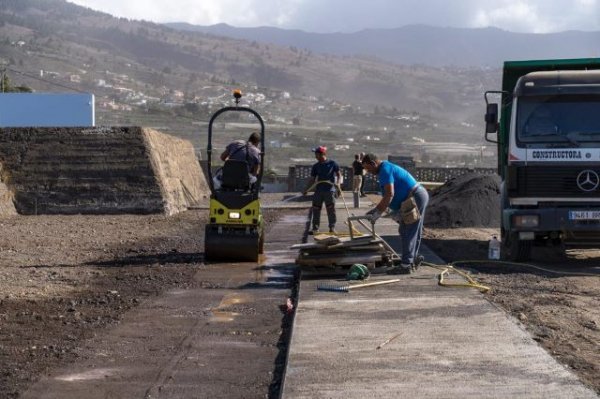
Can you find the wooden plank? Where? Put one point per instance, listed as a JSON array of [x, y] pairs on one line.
[[343, 250], [326, 239], [340, 259], [347, 244]]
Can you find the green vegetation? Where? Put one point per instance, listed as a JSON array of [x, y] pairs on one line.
[[7, 87]]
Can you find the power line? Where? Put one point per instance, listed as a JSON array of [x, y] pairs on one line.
[[44, 80]]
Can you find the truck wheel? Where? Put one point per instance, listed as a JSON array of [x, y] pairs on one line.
[[515, 250]]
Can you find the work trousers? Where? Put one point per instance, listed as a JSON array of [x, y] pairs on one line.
[[410, 234], [317, 204], [356, 183]]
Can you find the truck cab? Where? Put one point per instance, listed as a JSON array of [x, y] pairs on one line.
[[548, 154]]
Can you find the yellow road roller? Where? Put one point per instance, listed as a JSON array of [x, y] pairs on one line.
[[235, 228]]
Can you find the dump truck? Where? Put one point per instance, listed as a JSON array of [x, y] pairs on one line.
[[547, 129]]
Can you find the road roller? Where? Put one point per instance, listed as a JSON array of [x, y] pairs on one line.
[[235, 228]]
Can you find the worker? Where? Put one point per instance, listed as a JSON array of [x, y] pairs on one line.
[[362, 183], [326, 173], [358, 172], [240, 150], [407, 201], [248, 151]]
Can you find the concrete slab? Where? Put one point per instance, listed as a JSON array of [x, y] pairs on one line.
[[434, 342]]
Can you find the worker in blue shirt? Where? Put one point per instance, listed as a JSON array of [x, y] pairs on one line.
[[326, 173], [400, 190]]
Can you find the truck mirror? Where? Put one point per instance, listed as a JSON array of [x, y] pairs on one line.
[[491, 118]]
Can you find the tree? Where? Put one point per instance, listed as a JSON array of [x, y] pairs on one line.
[[7, 87]]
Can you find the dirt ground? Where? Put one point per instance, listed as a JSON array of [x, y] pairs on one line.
[[63, 279], [560, 309]]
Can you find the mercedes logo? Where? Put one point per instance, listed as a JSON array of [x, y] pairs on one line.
[[588, 180]]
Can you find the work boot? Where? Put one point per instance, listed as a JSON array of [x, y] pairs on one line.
[[404, 268], [331, 230], [418, 260]]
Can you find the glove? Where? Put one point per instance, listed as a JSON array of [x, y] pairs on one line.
[[374, 214]]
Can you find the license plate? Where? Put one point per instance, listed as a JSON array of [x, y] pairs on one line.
[[584, 215]]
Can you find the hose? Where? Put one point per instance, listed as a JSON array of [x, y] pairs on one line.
[[445, 270], [471, 283], [526, 265]]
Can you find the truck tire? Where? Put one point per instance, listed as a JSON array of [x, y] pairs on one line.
[[513, 249]]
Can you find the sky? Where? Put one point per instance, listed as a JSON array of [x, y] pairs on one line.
[[326, 16]]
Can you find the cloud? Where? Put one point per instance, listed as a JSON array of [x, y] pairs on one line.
[[233, 12], [539, 16], [519, 16]]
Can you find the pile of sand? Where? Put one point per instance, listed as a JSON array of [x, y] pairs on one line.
[[470, 200]]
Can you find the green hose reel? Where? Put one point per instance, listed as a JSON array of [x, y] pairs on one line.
[[358, 272]]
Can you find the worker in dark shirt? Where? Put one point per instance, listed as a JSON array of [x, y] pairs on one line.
[[326, 173], [358, 171], [362, 184], [248, 151]]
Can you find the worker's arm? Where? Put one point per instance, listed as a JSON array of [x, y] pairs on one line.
[[257, 166], [311, 181], [339, 180], [388, 194], [224, 155]]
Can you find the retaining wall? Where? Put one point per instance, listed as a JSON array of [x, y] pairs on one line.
[[299, 175], [99, 171]]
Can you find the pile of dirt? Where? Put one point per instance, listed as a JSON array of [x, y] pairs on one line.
[[7, 207], [99, 170], [470, 200]]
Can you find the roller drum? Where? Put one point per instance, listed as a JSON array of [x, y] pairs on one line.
[[231, 244]]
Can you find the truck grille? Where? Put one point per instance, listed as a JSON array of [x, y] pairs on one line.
[[553, 181]]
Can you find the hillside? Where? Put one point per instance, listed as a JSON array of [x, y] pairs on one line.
[[424, 45], [150, 74]]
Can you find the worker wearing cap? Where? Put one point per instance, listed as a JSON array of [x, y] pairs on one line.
[[398, 185], [327, 173]]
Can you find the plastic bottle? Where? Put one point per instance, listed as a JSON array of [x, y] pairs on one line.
[[494, 248]]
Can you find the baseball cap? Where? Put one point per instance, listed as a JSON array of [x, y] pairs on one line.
[[320, 149]]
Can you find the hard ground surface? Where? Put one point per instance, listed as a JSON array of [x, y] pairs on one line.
[[126, 300], [414, 338], [560, 310], [65, 280]]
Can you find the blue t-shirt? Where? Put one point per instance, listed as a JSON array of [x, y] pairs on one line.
[[399, 177], [325, 171]]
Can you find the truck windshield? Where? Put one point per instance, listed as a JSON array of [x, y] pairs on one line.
[[569, 120]]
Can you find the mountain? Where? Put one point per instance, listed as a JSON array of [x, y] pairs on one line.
[[420, 44], [58, 36], [152, 75]]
